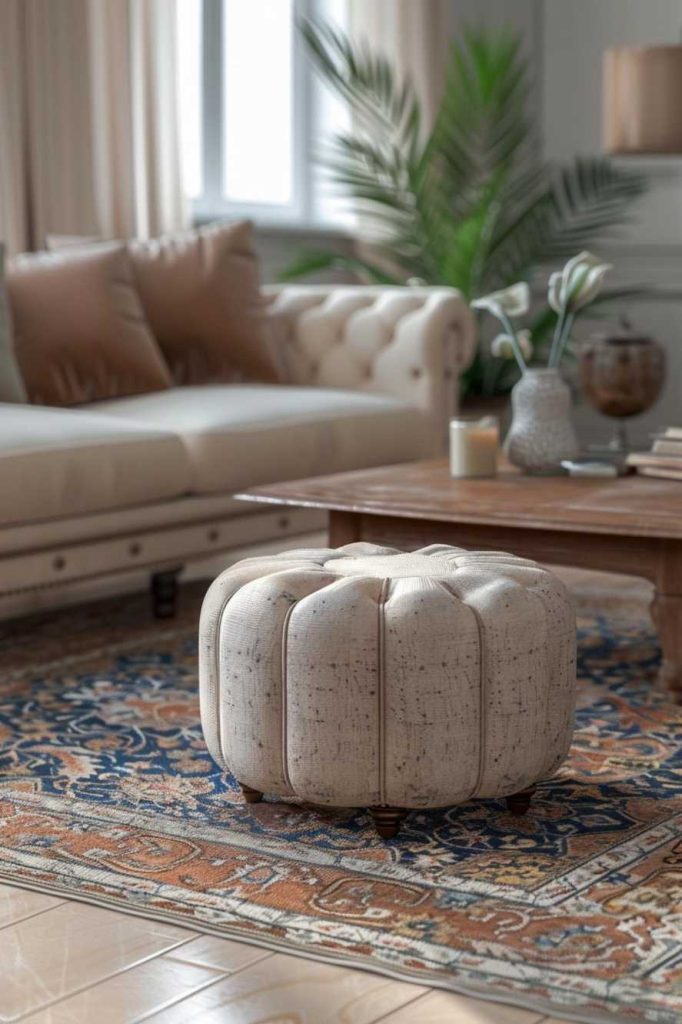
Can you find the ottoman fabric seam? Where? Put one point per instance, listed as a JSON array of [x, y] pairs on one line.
[[381, 688], [285, 695], [482, 715], [218, 675], [482, 710]]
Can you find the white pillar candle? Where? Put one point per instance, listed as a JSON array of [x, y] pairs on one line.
[[473, 446]]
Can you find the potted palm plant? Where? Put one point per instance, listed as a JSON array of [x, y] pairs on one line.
[[469, 203]]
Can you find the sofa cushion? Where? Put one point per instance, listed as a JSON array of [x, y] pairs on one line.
[[11, 385], [201, 295], [240, 435], [79, 328], [62, 462]]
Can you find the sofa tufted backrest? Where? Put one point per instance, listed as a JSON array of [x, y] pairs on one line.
[[410, 342]]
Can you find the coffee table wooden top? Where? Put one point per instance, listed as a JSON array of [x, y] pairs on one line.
[[631, 506]]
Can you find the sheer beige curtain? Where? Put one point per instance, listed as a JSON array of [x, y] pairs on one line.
[[138, 188], [14, 222], [88, 119], [414, 35]]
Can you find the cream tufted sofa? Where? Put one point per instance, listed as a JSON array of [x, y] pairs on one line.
[[411, 343], [148, 481]]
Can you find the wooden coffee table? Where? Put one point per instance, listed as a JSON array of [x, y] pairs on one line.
[[630, 525]]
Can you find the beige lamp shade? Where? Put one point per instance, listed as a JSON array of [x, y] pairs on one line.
[[642, 99]]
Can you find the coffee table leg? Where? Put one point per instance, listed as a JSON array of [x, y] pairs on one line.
[[344, 528], [666, 611]]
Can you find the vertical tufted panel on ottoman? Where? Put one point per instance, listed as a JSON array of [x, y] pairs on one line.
[[366, 676], [332, 709], [432, 668]]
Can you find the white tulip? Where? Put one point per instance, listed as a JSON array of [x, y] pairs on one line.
[[512, 301], [554, 290], [503, 346], [577, 284]]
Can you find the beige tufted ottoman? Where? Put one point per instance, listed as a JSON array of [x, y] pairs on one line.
[[367, 677]]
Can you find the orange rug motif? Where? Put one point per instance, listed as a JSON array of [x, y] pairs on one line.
[[107, 794]]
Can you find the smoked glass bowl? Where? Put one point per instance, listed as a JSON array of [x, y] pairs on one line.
[[622, 376]]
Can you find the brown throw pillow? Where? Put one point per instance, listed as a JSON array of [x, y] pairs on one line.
[[79, 328], [201, 295]]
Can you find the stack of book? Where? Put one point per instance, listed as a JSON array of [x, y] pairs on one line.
[[665, 457]]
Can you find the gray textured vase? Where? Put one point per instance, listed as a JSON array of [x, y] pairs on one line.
[[542, 432]]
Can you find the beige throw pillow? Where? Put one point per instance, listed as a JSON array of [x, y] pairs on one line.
[[79, 327], [201, 294], [11, 385]]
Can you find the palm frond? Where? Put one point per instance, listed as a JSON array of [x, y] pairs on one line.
[[365, 80], [382, 163], [589, 197], [482, 123]]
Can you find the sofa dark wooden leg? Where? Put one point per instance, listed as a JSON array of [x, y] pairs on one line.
[[387, 820], [252, 796], [164, 587], [518, 803]]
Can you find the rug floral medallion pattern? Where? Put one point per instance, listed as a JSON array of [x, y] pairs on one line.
[[107, 793]]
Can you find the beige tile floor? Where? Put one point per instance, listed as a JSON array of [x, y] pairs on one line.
[[63, 962]]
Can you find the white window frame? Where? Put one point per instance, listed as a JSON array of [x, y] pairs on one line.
[[212, 202]]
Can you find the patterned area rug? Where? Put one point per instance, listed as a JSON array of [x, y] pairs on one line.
[[107, 794]]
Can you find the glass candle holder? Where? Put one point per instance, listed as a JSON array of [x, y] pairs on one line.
[[474, 444]]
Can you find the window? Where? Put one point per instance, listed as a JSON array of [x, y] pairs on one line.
[[253, 113]]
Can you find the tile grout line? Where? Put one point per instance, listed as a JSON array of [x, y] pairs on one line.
[[225, 974], [226, 970], [175, 1002], [399, 1009], [430, 991], [107, 977], [36, 913]]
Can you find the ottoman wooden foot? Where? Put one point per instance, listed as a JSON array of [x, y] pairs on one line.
[[252, 796], [518, 803], [387, 820]]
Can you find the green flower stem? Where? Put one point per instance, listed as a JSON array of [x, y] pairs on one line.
[[556, 340], [565, 334], [565, 320], [508, 326]]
